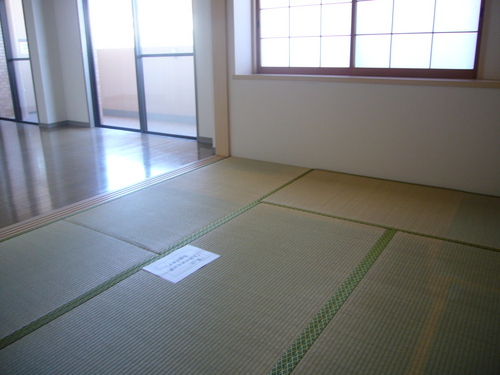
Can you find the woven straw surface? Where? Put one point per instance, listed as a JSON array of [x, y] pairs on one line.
[[238, 314], [317, 274], [158, 216], [425, 307], [470, 218], [50, 266]]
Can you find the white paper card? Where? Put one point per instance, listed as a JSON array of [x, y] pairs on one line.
[[181, 263]]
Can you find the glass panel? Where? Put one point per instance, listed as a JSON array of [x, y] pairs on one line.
[[112, 24], [6, 106], [335, 1], [305, 52], [305, 21], [275, 52], [273, 3], [374, 17], [411, 51], [336, 19], [170, 95], [373, 51], [165, 26], [113, 41], [26, 91], [17, 29], [412, 16], [274, 23], [304, 2], [457, 15], [454, 51], [335, 51]]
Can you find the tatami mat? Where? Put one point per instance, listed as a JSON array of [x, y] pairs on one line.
[[319, 252], [48, 267], [465, 217], [163, 214], [237, 315], [425, 307]]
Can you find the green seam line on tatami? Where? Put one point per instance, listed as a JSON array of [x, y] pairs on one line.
[[479, 246], [306, 339], [51, 316]]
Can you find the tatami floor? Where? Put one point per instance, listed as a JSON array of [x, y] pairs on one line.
[[319, 273]]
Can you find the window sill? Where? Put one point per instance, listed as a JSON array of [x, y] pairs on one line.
[[489, 84]]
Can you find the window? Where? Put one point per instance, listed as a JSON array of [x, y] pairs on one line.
[[396, 38]]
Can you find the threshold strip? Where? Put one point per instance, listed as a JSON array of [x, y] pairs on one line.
[[28, 225], [306, 339], [67, 307], [458, 242]]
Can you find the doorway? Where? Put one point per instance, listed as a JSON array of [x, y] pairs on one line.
[[17, 93], [142, 61]]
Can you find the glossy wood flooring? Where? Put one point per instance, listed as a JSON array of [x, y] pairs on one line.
[[45, 169]]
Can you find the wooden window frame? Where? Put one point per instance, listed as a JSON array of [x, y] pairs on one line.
[[429, 73]]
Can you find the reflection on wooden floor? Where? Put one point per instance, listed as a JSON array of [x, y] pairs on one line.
[[45, 169], [155, 126]]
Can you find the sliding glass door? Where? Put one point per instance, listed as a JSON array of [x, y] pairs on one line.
[[112, 33], [17, 93], [143, 60]]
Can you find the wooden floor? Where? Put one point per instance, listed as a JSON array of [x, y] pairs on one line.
[[45, 169]]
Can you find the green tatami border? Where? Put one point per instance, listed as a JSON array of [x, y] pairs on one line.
[[479, 246], [67, 307], [306, 339]]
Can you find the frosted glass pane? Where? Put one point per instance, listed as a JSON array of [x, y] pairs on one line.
[[336, 1], [305, 52], [373, 51], [454, 51], [457, 15], [411, 51], [335, 51], [413, 16], [374, 17], [305, 21], [304, 2], [274, 23], [273, 3], [336, 19], [275, 52]]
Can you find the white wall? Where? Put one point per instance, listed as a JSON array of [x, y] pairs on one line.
[[204, 68], [432, 135], [45, 60], [70, 50], [490, 44], [54, 37]]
